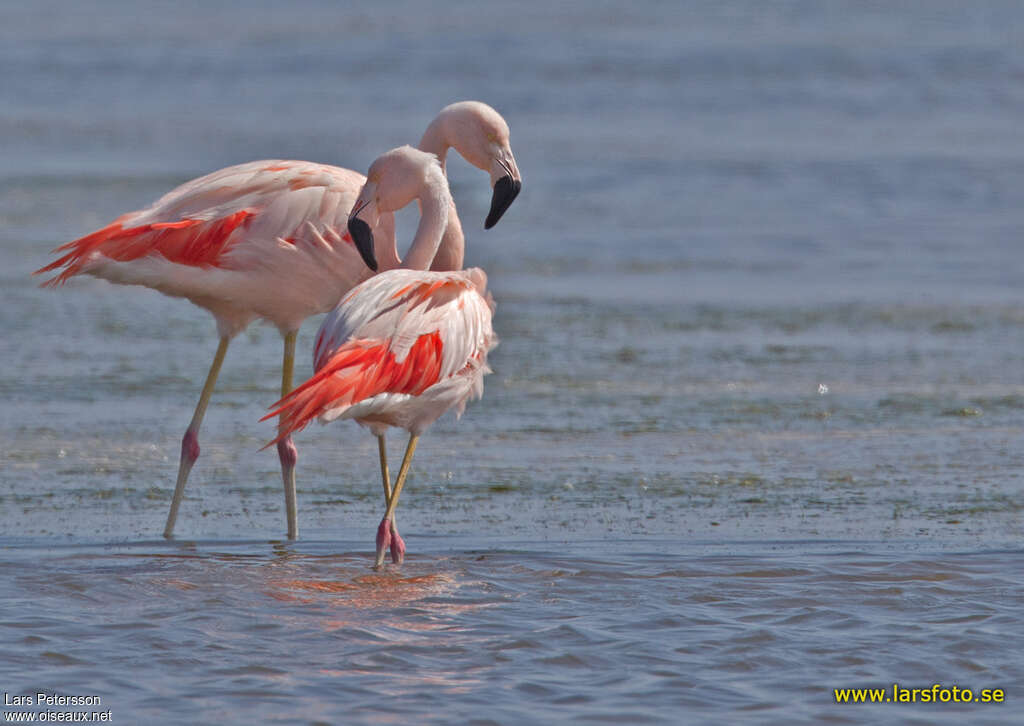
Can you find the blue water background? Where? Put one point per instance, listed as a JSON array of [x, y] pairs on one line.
[[755, 426]]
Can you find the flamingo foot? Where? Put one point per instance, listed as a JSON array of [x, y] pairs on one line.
[[383, 541], [397, 546]]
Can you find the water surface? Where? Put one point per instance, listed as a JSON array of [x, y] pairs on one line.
[[754, 428]]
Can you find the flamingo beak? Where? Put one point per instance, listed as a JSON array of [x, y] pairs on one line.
[[362, 237], [506, 189]]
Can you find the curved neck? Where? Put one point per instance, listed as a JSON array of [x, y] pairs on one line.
[[435, 142], [384, 243], [434, 205], [452, 251]]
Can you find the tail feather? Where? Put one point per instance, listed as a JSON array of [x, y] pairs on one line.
[[77, 250], [194, 242]]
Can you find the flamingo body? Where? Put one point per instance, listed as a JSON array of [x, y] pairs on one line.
[[265, 239], [400, 350]]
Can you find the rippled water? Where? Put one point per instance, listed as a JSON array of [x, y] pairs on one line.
[[214, 631], [755, 427]]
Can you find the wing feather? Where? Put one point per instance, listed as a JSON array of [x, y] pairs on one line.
[[200, 223], [399, 333]]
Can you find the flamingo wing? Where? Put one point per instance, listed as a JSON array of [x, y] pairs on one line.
[[400, 332], [201, 222]]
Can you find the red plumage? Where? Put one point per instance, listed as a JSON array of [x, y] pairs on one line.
[[192, 242], [358, 370]]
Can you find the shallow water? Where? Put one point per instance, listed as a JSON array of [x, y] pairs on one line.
[[304, 633], [754, 428]]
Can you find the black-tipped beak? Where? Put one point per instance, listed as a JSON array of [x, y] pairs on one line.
[[506, 190], [362, 236]]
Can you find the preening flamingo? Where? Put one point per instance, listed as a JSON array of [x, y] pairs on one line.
[[266, 240], [405, 346]]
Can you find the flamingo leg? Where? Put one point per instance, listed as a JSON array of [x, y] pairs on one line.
[[286, 450], [385, 524], [384, 473], [390, 534], [190, 441]]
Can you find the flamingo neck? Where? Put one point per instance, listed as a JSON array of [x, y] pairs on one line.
[[435, 140], [452, 250], [435, 202]]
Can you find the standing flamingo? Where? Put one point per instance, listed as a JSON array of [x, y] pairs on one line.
[[266, 240], [406, 345]]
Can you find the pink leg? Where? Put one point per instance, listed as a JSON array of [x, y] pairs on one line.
[[189, 454], [383, 535], [190, 441], [190, 447], [386, 532], [289, 456], [286, 450], [388, 536], [397, 545]]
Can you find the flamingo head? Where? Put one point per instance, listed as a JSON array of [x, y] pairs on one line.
[[395, 178], [481, 136]]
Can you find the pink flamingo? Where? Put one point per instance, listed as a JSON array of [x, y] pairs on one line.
[[266, 240], [406, 345]]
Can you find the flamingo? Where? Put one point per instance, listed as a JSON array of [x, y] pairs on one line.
[[405, 346], [266, 240]]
